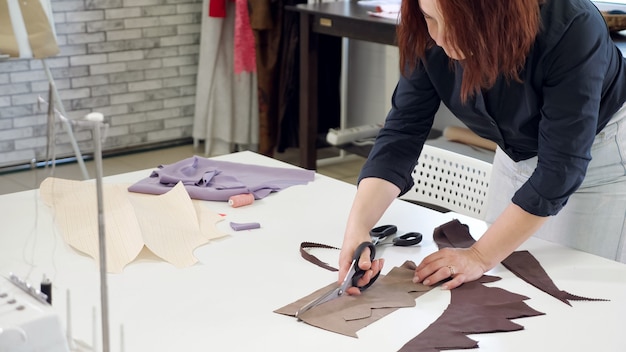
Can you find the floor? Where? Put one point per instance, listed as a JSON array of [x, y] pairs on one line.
[[332, 164]]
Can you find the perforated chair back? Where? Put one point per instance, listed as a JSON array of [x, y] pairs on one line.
[[452, 181]]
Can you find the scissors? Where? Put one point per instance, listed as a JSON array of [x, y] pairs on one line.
[[380, 233], [351, 280]]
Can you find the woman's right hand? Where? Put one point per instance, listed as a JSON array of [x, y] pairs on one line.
[[372, 198], [372, 268]]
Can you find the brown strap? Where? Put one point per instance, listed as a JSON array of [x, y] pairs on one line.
[[313, 259]]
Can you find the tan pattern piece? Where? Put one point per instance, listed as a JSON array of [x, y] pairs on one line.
[[348, 314]]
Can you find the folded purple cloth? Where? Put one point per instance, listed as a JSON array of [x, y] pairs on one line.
[[208, 179]]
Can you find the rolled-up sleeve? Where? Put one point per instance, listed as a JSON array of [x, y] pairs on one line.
[[574, 72]]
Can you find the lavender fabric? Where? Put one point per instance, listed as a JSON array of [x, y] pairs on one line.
[[208, 179]]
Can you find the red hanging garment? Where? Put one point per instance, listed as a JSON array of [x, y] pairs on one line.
[[217, 8]]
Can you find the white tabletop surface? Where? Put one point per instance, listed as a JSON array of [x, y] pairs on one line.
[[226, 301]]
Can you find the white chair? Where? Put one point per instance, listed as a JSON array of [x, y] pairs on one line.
[[450, 180]]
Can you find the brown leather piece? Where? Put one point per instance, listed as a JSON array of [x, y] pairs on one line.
[[474, 308], [453, 234], [522, 263], [525, 266], [348, 314]]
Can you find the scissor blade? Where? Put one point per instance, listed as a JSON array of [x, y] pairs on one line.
[[330, 295]]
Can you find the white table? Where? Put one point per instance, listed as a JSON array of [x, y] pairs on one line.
[[226, 302]]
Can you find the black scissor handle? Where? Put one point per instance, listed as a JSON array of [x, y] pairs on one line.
[[383, 231], [408, 239], [358, 272]]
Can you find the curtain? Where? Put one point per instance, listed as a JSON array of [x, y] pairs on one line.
[[226, 114]]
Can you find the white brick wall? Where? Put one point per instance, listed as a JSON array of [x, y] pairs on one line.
[[133, 60]]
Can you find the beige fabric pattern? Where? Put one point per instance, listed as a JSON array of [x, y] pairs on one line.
[[170, 225]]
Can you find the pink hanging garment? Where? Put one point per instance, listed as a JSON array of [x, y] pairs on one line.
[[244, 45], [245, 52]]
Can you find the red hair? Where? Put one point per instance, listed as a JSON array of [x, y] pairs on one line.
[[495, 36]]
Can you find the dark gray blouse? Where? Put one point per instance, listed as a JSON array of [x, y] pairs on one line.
[[574, 80]]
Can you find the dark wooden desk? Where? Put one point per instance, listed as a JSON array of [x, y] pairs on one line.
[[339, 19]]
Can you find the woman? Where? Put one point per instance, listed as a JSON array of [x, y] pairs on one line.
[[542, 79]]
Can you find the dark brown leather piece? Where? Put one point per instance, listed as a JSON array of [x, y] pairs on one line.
[[525, 266], [521, 263], [453, 234], [474, 309]]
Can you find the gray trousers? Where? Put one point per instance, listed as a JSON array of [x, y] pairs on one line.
[[594, 218]]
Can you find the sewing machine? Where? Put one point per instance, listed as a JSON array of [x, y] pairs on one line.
[[27, 321]]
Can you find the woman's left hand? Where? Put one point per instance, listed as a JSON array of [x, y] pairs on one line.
[[460, 264]]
